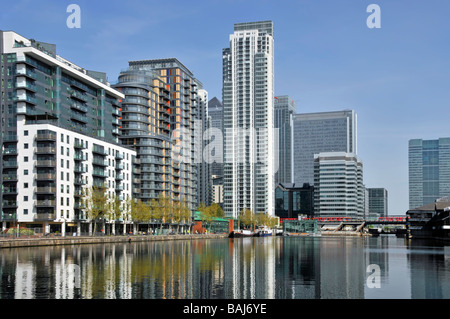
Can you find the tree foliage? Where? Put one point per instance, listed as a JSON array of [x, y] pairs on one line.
[[95, 203]]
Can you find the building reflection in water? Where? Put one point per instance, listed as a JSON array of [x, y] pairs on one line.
[[246, 268]]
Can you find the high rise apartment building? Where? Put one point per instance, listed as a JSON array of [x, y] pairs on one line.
[[160, 110], [314, 133], [248, 71], [284, 109], [429, 171], [59, 135]]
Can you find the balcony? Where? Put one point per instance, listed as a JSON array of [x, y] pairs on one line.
[[27, 73], [79, 156], [46, 203], [45, 150], [79, 181], [78, 95], [99, 150], [9, 204], [26, 86], [48, 163], [99, 173], [9, 217], [45, 177], [79, 145], [44, 216], [11, 164], [10, 178], [9, 191], [45, 190], [79, 117], [10, 151], [99, 162], [45, 137], [79, 169], [26, 98], [79, 107]]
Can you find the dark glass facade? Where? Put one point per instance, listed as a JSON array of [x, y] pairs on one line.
[[292, 201]]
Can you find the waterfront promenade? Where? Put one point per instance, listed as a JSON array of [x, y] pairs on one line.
[[56, 241]]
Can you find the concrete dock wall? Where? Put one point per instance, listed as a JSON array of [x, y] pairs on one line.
[[56, 241]]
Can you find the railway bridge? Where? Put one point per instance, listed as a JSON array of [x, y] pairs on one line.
[[399, 224]]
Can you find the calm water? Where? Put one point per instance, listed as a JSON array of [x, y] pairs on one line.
[[263, 268]]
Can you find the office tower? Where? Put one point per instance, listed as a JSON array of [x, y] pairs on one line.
[[215, 111], [292, 201], [378, 201], [429, 171], [248, 119], [338, 185], [321, 132], [60, 128], [284, 108], [160, 111]]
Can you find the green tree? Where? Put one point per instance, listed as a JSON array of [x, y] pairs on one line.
[[115, 208], [247, 217], [96, 203], [140, 212], [163, 210]]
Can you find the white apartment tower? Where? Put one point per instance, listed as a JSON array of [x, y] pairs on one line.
[[248, 93]]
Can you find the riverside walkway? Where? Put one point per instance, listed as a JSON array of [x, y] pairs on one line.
[[56, 241]]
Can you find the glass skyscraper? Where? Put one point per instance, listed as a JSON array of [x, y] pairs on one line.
[[429, 171], [378, 201], [284, 108], [321, 132]]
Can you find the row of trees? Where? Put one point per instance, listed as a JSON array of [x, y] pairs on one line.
[[99, 204], [250, 219]]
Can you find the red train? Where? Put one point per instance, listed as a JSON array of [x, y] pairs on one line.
[[346, 219]]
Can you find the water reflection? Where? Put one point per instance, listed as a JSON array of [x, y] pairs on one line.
[[263, 268]]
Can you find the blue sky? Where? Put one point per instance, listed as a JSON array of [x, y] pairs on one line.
[[396, 78]]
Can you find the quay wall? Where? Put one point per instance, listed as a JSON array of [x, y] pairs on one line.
[[56, 241]]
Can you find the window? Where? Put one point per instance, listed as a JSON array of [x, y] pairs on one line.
[[25, 133], [25, 185], [25, 146], [25, 211], [25, 159], [25, 172], [25, 198]]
